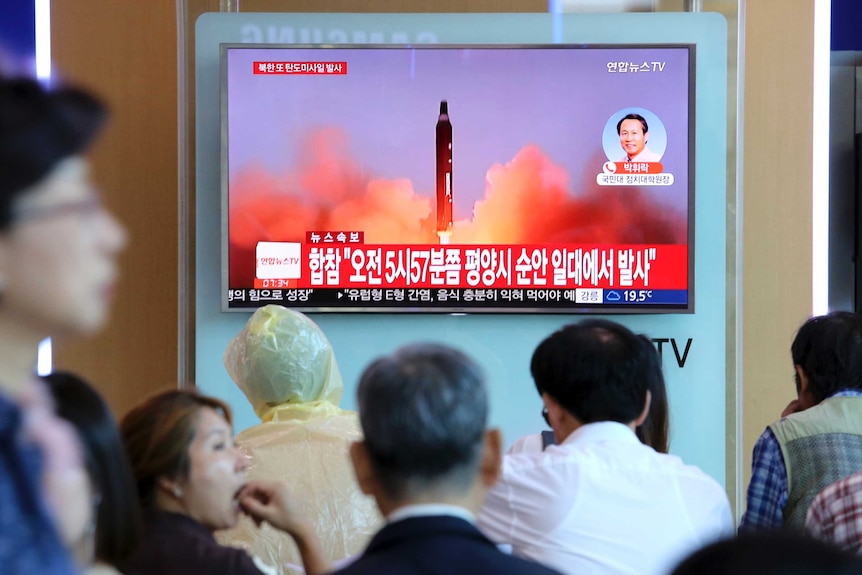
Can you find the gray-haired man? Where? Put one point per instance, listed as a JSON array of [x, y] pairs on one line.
[[428, 461]]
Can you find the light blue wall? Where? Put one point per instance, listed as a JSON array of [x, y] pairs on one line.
[[503, 344]]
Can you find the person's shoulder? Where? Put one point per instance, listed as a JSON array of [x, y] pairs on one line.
[[376, 565], [518, 566], [528, 444], [527, 461], [489, 559], [179, 544], [649, 155], [102, 569], [688, 471], [341, 423], [191, 556], [467, 562], [822, 417], [843, 491]]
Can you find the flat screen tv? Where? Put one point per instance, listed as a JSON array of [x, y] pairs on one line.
[[454, 178]]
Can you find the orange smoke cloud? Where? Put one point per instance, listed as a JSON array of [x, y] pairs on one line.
[[526, 201]]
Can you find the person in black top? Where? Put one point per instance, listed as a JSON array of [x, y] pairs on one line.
[[191, 482]]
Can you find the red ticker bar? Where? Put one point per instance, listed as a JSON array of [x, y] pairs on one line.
[[302, 68], [484, 266]]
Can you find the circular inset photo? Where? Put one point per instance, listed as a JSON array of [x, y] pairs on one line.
[[634, 135]]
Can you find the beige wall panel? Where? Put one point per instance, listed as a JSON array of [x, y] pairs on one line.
[[126, 52], [776, 204]]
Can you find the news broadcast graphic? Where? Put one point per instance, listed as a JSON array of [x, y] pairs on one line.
[[458, 178]]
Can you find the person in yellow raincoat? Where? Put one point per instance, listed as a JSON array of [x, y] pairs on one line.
[[286, 367]]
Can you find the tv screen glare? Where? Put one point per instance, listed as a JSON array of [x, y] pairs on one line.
[[444, 178]]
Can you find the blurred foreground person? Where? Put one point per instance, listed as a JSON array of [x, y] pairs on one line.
[[58, 247], [191, 483], [428, 460], [284, 364], [770, 553], [109, 499]]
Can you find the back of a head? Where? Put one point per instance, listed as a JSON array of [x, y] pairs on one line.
[[423, 411], [39, 128], [281, 356], [157, 435], [598, 370], [770, 553], [118, 515], [828, 348]]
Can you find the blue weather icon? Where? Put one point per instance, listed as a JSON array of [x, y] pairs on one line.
[[612, 296]]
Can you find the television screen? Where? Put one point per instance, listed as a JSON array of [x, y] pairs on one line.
[[549, 178]]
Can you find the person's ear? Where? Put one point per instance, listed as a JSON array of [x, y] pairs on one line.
[[642, 417], [171, 486], [801, 379], [803, 389], [362, 468], [556, 413], [492, 457]]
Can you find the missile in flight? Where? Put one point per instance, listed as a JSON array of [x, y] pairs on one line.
[[444, 171]]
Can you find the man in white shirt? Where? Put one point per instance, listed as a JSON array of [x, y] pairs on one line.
[[601, 502], [633, 131], [428, 461]]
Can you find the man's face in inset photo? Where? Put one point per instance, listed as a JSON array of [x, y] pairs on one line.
[[632, 137]]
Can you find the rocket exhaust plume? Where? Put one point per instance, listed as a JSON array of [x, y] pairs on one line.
[[444, 173]]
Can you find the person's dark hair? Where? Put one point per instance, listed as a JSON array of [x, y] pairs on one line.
[[423, 411], [118, 516], [828, 348], [39, 128], [637, 117], [655, 429], [770, 553], [157, 435], [596, 369]]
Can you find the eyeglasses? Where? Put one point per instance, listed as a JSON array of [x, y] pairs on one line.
[[545, 416], [86, 206]]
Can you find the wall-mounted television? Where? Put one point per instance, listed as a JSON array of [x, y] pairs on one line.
[[455, 178]]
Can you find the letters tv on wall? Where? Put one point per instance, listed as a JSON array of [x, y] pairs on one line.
[[548, 178]]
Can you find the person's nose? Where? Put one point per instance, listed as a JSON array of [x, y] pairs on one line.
[[243, 461], [115, 236]]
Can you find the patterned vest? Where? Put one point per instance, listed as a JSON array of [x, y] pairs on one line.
[[820, 446]]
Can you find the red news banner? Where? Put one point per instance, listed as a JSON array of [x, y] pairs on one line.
[[484, 266]]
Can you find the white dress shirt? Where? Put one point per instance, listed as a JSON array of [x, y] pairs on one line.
[[603, 503], [528, 444]]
